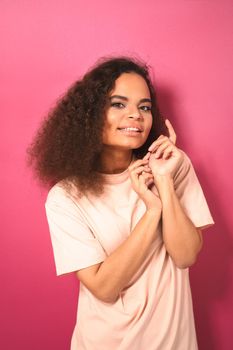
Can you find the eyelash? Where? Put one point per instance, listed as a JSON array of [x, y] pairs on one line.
[[119, 105]]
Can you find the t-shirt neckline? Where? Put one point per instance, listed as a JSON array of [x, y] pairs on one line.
[[119, 177]]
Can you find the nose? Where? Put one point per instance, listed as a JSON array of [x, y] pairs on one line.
[[135, 115]]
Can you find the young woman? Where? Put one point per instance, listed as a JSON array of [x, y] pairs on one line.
[[125, 210]]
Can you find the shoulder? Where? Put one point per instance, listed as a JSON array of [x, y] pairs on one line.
[[56, 192], [185, 166], [62, 193], [185, 158]]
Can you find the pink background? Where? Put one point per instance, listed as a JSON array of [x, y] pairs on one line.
[[45, 46]]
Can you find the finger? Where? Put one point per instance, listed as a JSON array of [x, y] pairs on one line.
[[134, 179], [142, 182], [157, 142], [162, 148], [147, 156], [135, 175], [140, 169], [137, 163], [147, 176], [171, 131], [167, 152]]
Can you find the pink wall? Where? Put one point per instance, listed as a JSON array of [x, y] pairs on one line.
[[45, 46]]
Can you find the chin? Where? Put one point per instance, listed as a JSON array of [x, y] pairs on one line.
[[133, 145], [128, 143]]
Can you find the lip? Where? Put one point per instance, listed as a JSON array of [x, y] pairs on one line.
[[131, 126], [130, 133]]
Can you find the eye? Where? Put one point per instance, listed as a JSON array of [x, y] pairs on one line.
[[145, 108], [117, 105]]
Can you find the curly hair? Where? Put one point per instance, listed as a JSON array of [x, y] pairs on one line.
[[68, 144]]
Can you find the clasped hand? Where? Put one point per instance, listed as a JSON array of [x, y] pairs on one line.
[[163, 159]]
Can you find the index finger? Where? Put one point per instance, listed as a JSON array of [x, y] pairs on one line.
[[138, 163], [147, 156], [171, 131]]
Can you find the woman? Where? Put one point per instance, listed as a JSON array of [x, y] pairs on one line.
[[125, 211]]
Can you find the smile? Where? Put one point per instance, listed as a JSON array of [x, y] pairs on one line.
[[130, 129], [130, 132]]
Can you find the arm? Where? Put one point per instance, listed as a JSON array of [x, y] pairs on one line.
[[106, 280], [182, 239]]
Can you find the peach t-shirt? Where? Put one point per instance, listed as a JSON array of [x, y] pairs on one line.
[[154, 310]]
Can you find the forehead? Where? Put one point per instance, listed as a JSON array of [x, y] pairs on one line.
[[131, 84]]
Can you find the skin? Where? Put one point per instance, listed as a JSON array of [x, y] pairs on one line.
[[118, 146], [182, 239]]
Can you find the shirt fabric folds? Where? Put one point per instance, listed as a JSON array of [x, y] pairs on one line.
[[154, 311]]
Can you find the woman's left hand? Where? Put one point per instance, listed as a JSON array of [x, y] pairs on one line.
[[164, 157]]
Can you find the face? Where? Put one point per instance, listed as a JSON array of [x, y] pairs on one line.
[[128, 118]]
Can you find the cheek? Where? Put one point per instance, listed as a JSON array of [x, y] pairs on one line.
[[111, 121], [107, 132]]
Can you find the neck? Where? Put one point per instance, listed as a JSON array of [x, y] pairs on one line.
[[114, 162]]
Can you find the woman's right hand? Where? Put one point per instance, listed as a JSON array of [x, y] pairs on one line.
[[141, 179]]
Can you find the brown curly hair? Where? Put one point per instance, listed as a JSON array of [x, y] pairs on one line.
[[68, 144]]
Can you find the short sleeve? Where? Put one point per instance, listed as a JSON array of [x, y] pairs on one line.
[[74, 244], [191, 196]]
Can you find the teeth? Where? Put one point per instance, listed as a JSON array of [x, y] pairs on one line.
[[131, 129]]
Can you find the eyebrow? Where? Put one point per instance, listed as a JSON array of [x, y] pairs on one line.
[[126, 98]]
